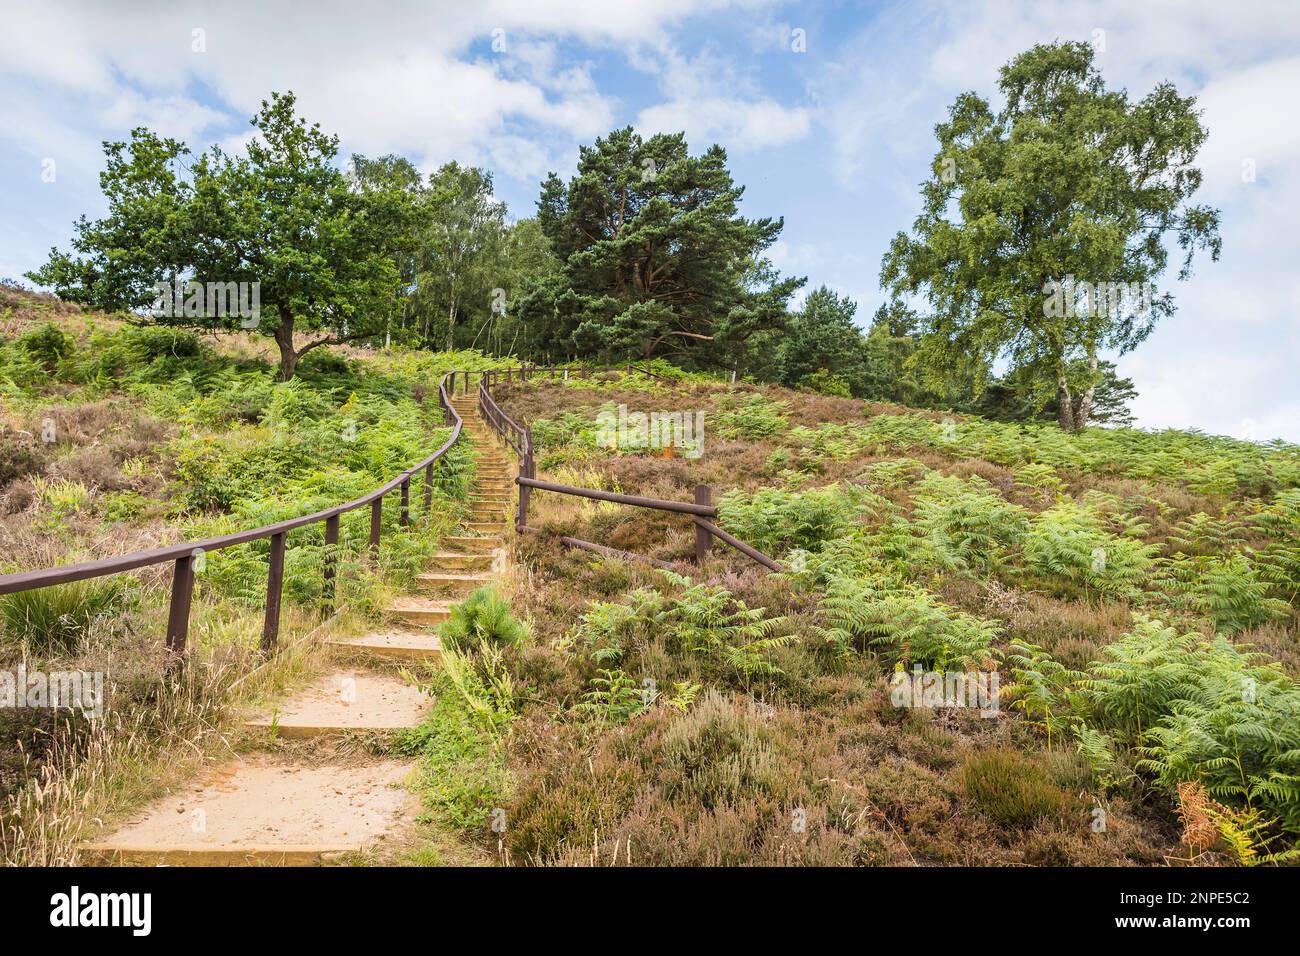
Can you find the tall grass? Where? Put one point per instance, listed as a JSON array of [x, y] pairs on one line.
[[56, 619]]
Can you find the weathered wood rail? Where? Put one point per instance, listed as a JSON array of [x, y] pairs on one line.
[[184, 555], [518, 437]]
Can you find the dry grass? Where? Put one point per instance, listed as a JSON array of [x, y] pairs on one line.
[[75, 776]]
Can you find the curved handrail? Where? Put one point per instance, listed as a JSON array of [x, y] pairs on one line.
[[67, 573], [518, 436], [184, 554]]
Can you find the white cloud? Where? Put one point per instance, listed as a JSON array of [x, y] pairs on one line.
[[389, 76], [744, 125], [743, 119], [175, 116]]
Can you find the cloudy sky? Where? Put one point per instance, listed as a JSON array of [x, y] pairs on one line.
[[826, 109]]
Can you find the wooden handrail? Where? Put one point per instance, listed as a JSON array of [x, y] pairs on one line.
[[519, 437], [184, 554], [699, 510], [659, 504]]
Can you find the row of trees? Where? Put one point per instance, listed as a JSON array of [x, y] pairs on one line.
[[644, 252]]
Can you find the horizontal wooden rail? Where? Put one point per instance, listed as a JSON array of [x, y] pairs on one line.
[[185, 556], [659, 504], [739, 545], [520, 439]]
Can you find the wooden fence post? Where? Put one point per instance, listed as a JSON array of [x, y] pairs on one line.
[[331, 560], [274, 589], [526, 470], [404, 519], [178, 615], [376, 519], [703, 539]]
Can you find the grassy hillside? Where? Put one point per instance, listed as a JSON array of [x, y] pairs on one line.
[[1134, 591]]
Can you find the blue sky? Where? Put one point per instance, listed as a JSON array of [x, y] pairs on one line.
[[834, 137]]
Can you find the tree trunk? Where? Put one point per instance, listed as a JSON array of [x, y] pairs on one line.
[[1084, 412], [1064, 404], [284, 339]]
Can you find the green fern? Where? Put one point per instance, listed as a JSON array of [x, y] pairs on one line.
[[908, 621], [708, 620], [1041, 689]]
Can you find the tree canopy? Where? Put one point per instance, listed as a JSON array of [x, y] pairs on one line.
[[1044, 226], [655, 258], [283, 216], [1069, 183]]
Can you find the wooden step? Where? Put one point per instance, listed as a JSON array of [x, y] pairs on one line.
[[347, 701], [474, 544], [419, 612], [454, 561], [257, 812], [443, 582], [196, 854], [392, 645], [487, 527], [260, 810]]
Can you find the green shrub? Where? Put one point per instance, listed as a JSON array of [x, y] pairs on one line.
[[149, 342], [827, 383], [775, 520], [965, 523], [1069, 541], [1011, 790], [914, 626], [754, 419], [1203, 710], [608, 629], [567, 428], [483, 617], [615, 698], [48, 345], [717, 755], [710, 621], [461, 773], [123, 506], [17, 460], [1229, 591]]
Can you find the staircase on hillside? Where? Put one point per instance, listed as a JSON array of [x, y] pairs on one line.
[[468, 563], [261, 810]]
